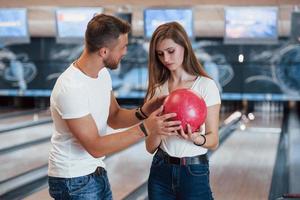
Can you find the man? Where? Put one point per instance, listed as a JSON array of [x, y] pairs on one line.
[[82, 104]]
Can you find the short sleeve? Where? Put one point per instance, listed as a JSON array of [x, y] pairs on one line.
[[72, 102], [213, 94], [210, 92]]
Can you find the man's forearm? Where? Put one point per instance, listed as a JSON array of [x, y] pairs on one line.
[[112, 143], [124, 118]]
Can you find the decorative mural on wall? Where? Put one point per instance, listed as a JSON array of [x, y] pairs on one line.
[[16, 71], [267, 71]]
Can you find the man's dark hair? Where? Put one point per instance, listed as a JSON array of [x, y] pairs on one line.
[[103, 31]]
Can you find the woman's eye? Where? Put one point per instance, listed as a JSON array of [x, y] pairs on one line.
[[171, 51]]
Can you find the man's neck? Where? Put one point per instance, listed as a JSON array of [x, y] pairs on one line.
[[89, 64]]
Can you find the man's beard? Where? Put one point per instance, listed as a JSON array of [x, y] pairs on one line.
[[110, 63]]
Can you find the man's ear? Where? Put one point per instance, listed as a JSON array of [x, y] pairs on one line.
[[103, 52]]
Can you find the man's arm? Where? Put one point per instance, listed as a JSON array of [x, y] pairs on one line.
[[120, 117], [123, 118], [86, 132]]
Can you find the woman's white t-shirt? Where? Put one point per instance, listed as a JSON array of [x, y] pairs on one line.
[[179, 147]]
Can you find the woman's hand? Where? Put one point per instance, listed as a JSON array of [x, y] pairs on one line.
[[194, 137]]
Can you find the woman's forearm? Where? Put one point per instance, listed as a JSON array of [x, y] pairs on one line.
[[152, 143]]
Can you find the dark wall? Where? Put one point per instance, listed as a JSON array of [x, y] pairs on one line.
[[268, 71]]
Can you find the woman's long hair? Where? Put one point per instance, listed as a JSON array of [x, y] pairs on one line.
[[158, 74]]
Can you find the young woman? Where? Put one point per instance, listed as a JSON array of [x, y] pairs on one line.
[[180, 169]]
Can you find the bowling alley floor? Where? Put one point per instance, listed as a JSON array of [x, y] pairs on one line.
[[127, 170], [242, 167]]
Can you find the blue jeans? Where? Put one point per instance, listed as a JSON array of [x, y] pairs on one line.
[[169, 181], [94, 186]]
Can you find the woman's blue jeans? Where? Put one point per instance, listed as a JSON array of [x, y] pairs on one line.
[[94, 186], [180, 182]]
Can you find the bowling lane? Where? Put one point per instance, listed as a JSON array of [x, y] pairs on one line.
[[20, 136], [130, 168], [6, 110], [127, 170], [11, 122], [20, 161], [242, 167]]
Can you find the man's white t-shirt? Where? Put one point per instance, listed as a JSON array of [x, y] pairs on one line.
[[76, 95], [179, 147]]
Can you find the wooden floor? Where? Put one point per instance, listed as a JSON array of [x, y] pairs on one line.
[[242, 167], [17, 120], [126, 171], [21, 161], [24, 135]]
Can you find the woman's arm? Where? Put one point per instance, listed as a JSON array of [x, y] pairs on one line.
[[211, 128], [211, 140], [153, 142]]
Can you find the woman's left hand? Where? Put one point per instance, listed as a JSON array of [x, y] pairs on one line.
[[194, 137]]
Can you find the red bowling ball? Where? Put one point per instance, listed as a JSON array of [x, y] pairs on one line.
[[189, 106]]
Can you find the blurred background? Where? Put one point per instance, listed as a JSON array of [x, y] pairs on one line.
[[251, 50]]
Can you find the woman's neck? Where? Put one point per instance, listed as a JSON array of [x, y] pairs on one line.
[[180, 80], [181, 76]]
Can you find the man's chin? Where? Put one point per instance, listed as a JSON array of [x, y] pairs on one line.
[[112, 67]]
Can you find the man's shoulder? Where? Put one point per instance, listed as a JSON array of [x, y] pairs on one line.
[[69, 79], [68, 84]]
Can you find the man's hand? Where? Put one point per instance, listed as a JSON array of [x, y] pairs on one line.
[[153, 104], [160, 124]]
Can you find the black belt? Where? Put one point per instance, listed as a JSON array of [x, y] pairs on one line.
[[100, 171], [200, 159]]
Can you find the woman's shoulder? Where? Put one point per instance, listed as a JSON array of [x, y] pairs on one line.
[[208, 89], [203, 80], [206, 83]]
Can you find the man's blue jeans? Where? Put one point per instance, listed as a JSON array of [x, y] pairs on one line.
[[94, 186], [170, 182]]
